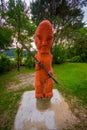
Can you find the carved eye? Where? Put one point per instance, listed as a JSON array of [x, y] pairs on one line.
[[39, 37], [49, 38]]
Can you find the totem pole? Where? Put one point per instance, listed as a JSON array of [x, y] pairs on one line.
[[44, 40]]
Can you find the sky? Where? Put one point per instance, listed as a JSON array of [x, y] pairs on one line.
[[85, 15]]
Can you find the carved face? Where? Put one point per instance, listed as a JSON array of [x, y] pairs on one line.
[[44, 37]]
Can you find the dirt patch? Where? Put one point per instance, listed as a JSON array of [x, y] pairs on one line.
[[23, 81], [80, 112], [3, 118]]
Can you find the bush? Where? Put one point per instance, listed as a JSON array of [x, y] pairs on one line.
[[84, 57], [76, 59], [13, 64], [58, 54], [5, 63], [29, 61]]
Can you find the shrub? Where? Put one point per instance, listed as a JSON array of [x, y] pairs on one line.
[[29, 61], [5, 63], [58, 54], [84, 57], [76, 59], [13, 64]]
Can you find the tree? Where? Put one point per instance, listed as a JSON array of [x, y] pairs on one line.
[[58, 52], [63, 14], [5, 32], [19, 56], [5, 37], [2, 10], [18, 18], [79, 45]]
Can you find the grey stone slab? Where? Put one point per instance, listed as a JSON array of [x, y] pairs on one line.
[[43, 114]]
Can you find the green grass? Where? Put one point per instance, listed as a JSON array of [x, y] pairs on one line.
[[73, 80], [9, 100]]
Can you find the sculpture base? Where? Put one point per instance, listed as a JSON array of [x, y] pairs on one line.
[[45, 114]]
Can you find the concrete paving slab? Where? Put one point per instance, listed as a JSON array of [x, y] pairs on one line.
[[43, 114]]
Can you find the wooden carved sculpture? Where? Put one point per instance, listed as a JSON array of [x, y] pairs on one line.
[[43, 40]]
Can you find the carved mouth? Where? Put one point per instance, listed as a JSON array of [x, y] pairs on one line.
[[44, 45]]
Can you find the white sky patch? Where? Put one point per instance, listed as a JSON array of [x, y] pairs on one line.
[[33, 46], [85, 15]]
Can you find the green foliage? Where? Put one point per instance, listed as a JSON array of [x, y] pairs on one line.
[[84, 57], [30, 27], [5, 64], [64, 15], [76, 59], [18, 18], [5, 37], [29, 61], [58, 54], [79, 45], [50, 9], [16, 13], [18, 56]]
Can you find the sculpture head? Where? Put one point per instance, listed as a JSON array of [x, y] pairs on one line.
[[44, 37]]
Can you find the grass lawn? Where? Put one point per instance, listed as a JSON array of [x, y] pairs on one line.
[[9, 100], [73, 80], [73, 83]]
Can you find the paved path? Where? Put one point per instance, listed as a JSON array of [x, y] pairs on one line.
[[24, 80]]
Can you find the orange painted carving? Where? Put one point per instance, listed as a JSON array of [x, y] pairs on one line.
[[44, 40]]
